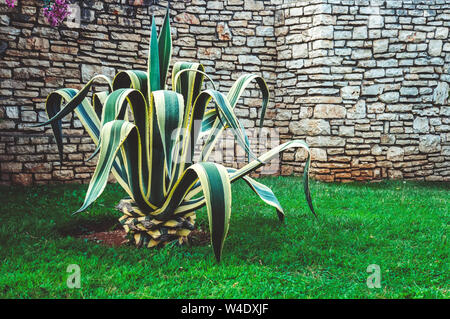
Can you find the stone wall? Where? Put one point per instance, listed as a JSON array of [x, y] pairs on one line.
[[364, 82], [229, 38]]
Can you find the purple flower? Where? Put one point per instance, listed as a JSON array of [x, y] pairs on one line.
[[11, 3], [57, 12]]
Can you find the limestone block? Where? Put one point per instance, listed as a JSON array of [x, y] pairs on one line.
[[380, 46], [429, 143], [223, 31], [327, 111], [435, 47], [409, 91], [360, 33], [350, 92], [395, 154], [376, 21], [88, 71], [324, 141], [310, 127], [441, 33], [441, 91], [321, 32], [420, 125], [390, 97]]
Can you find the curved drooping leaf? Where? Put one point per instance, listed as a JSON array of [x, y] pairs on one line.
[[113, 135], [264, 192], [116, 106], [270, 155], [215, 183], [208, 122], [216, 128], [177, 76], [98, 101], [76, 100], [53, 107], [241, 84], [169, 108], [193, 204], [224, 109], [134, 79], [88, 118], [192, 84], [217, 191], [188, 84]]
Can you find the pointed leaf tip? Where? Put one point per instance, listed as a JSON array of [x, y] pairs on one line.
[[76, 212]]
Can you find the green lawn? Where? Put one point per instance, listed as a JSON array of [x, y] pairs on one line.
[[401, 226]]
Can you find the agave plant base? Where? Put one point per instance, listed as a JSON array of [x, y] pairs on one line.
[[145, 231]]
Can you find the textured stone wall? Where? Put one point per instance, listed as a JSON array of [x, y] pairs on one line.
[[229, 38], [364, 82]]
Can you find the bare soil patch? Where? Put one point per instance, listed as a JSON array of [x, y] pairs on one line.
[[113, 238], [116, 238]]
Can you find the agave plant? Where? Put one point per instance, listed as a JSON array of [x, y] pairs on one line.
[[146, 134]]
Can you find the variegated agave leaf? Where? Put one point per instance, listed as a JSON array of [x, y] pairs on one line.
[[150, 154]]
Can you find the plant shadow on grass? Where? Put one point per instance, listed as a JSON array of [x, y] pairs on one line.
[[81, 226]]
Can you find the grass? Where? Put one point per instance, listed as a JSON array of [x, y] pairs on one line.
[[400, 226]]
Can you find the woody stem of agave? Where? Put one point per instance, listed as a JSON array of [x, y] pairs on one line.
[[145, 231]]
